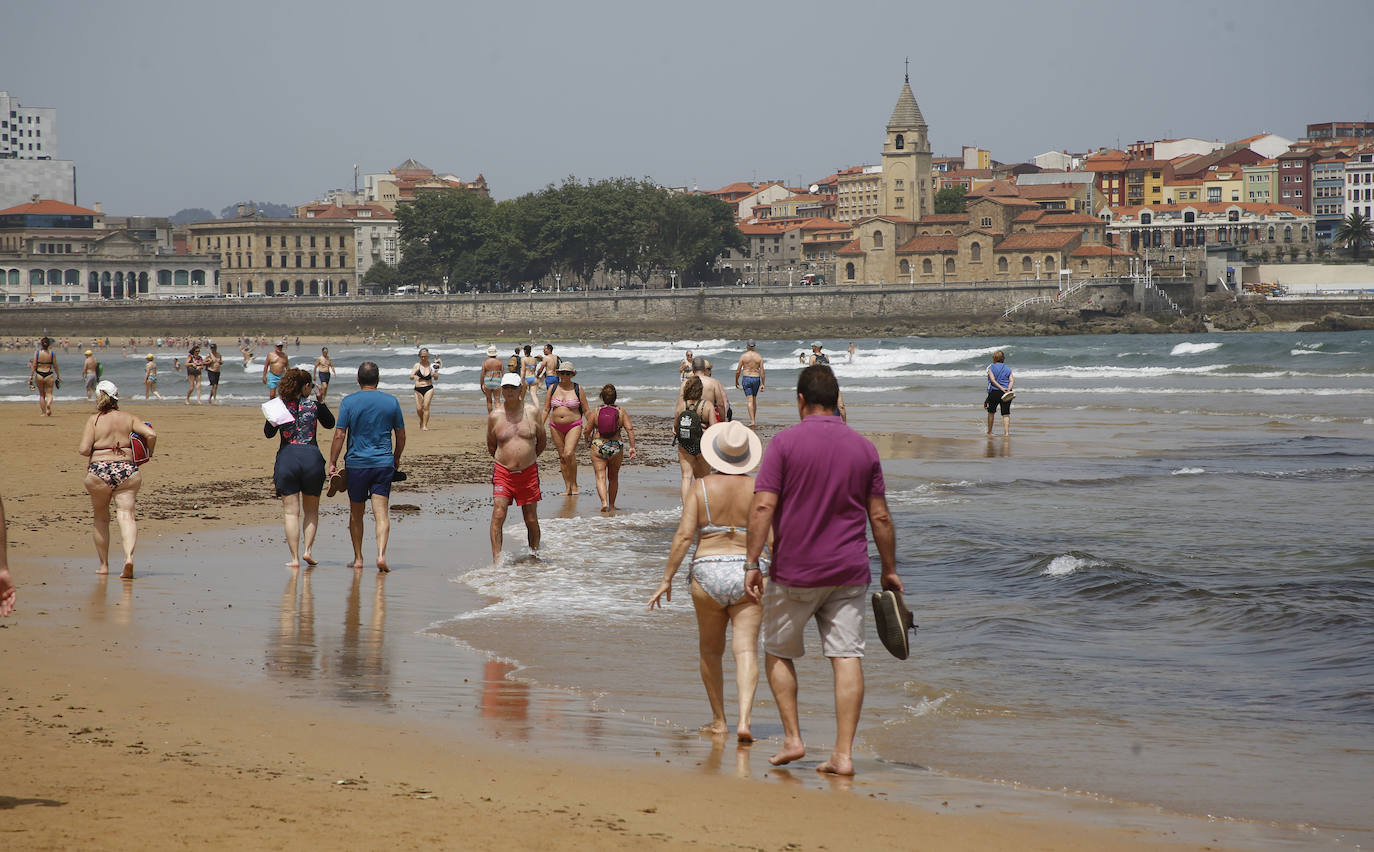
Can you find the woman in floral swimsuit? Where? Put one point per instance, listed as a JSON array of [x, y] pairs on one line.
[[299, 470], [112, 474]]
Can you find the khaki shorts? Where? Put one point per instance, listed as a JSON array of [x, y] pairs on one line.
[[838, 611]]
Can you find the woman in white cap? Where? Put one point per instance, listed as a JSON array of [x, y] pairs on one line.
[[564, 409], [489, 377], [112, 473], [717, 519], [150, 378]]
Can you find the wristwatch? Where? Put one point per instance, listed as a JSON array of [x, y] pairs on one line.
[[751, 566]]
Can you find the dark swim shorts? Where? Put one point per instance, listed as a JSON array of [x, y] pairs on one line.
[[365, 481]]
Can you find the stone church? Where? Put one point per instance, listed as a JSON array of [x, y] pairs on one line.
[[1000, 236]]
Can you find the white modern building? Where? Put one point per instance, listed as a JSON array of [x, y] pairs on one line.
[[1359, 183], [26, 133]]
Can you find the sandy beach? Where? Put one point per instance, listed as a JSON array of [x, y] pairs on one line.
[[119, 739]]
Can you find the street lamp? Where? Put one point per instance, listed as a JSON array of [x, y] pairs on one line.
[[1037, 270], [558, 282], [672, 279]]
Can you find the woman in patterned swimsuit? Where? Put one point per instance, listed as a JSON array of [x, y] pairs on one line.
[[717, 517], [112, 474], [299, 469]]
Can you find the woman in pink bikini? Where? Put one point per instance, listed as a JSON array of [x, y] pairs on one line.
[[112, 474], [563, 411]]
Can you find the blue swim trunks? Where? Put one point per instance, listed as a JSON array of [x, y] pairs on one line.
[[751, 384], [273, 380], [366, 481], [550, 381]]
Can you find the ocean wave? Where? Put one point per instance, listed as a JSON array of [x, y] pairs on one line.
[[1187, 471], [1069, 563], [1194, 348]]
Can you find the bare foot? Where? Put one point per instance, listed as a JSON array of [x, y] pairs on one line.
[[128, 572], [381, 564], [356, 563], [838, 764], [103, 569], [743, 734], [789, 753], [309, 561], [715, 729], [293, 564]]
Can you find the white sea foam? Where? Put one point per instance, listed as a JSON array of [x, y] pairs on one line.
[[593, 570], [1187, 471], [1062, 566], [1194, 348], [926, 706]]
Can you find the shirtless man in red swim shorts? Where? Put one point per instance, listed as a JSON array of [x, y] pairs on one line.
[[515, 439]]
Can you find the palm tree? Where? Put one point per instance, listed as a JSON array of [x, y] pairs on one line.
[[1355, 231]]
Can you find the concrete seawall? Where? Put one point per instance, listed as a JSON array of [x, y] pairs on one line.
[[858, 309]]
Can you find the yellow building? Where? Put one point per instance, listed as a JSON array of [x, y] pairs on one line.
[[298, 257], [1226, 183], [1261, 182]]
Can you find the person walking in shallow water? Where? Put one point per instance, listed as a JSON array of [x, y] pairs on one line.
[[515, 440], [367, 419], [999, 392], [819, 487]]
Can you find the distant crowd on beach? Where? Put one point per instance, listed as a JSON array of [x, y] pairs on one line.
[[769, 554]]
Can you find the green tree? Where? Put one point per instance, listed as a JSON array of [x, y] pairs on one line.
[[950, 199], [1355, 231], [441, 233], [383, 277]]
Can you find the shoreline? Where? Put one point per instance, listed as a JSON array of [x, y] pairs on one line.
[[100, 716]]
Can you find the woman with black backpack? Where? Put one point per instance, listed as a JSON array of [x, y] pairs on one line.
[[690, 419]]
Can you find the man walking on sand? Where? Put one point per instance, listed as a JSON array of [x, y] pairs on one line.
[[90, 371], [365, 423], [819, 486], [274, 367], [515, 440], [214, 365], [750, 376]]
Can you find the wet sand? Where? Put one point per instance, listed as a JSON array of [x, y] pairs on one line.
[[221, 700]]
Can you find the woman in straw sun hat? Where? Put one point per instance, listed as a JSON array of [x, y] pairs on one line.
[[716, 517], [112, 474]]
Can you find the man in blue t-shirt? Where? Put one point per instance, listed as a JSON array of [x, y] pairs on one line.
[[365, 423]]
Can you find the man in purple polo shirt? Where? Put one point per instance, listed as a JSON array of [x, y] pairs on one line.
[[819, 488]]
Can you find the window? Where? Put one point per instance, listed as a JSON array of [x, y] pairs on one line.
[[901, 142], [269, 261], [1026, 263], [1049, 263], [927, 268], [899, 184], [298, 243], [1189, 216], [1288, 233], [987, 222], [849, 271], [1146, 218], [976, 252], [312, 240], [905, 267], [1001, 264], [877, 239], [949, 266]]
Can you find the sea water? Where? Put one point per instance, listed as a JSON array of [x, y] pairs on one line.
[[1157, 590]]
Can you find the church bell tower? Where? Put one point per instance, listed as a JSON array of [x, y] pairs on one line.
[[907, 189]]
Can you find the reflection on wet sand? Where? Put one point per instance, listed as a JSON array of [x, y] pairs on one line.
[[998, 447], [357, 668], [906, 445], [714, 763], [291, 651], [505, 701], [362, 669], [123, 611]]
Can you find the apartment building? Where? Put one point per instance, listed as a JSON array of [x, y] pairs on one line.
[[277, 257]]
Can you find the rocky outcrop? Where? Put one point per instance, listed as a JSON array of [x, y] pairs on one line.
[[1240, 318], [1340, 322]]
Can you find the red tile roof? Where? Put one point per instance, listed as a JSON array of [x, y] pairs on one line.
[[1037, 240], [47, 207], [926, 245], [851, 248]]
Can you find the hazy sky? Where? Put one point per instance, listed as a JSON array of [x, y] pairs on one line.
[[165, 105]]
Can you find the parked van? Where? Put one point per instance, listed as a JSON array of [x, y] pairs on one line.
[[407, 290]]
